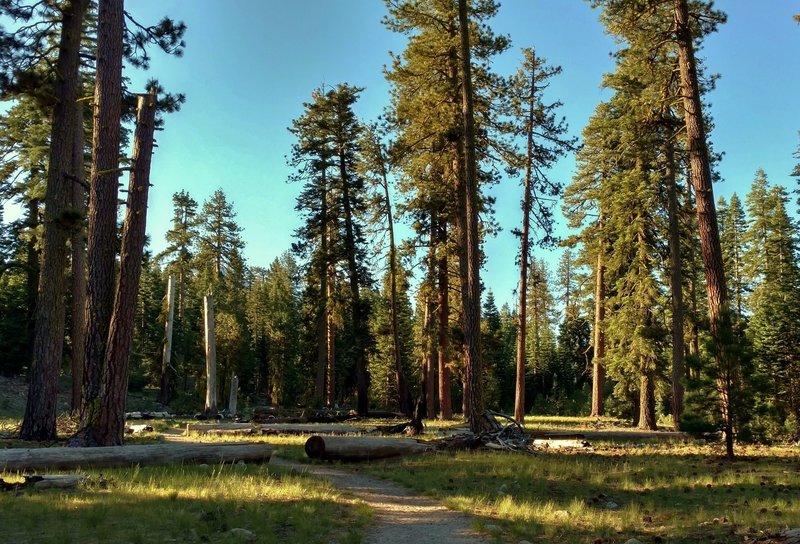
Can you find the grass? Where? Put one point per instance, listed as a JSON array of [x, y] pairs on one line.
[[185, 504], [652, 492]]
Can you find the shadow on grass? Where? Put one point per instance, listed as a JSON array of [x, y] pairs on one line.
[[183, 504], [611, 496]]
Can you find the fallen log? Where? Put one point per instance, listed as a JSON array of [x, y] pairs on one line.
[[273, 419], [232, 432], [137, 429], [361, 448], [558, 443], [202, 428], [124, 456], [310, 428]]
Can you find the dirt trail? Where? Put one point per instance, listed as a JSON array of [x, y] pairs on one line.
[[401, 516]]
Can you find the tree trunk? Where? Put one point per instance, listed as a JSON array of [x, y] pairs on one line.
[[445, 406], [676, 287], [128, 456], [471, 292], [39, 422], [429, 349], [522, 323], [706, 217], [103, 191], [404, 396], [357, 312], [324, 303], [233, 398], [211, 356], [78, 324], [598, 370], [110, 428], [166, 366], [647, 402], [330, 341]]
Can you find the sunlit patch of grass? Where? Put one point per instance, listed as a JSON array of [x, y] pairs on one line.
[[679, 492], [185, 504]]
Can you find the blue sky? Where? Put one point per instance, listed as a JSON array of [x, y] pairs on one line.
[[250, 64]]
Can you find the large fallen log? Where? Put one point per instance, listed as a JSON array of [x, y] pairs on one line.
[[361, 448], [311, 428], [202, 428], [124, 456]]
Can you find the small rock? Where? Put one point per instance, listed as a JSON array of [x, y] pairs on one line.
[[203, 466], [524, 542], [241, 464], [561, 514], [633, 541], [243, 534], [611, 505]]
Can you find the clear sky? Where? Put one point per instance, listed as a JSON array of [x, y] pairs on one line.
[[250, 64]]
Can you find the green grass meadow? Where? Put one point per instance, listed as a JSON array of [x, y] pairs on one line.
[[652, 492]]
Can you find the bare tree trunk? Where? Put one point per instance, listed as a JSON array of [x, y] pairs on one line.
[[330, 344], [103, 191], [676, 287], [471, 292], [78, 324], [166, 366], [400, 376], [522, 318], [233, 398], [598, 369], [706, 217], [211, 356], [429, 345], [39, 422], [110, 428], [322, 315], [357, 311], [647, 402], [445, 406]]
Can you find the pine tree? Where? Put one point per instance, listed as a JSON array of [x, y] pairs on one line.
[[374, 161], [178, 259], [775, 320], [733, 226], [274, 322], [545, 143], [334, 204]]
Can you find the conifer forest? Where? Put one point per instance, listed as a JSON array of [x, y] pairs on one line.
[[641, 294]]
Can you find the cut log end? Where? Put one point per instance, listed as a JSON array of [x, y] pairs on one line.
[[315, 447]]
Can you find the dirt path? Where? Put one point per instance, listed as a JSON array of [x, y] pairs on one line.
[[401, 516]]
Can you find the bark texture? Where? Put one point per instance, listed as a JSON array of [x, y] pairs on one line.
[[471, 291], [78, 324], [696, 144], [39, 422], [676, 288], [127, 456], [110, 428], [103, 191]]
